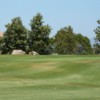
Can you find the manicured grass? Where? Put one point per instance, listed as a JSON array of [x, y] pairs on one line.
[[49, 77]]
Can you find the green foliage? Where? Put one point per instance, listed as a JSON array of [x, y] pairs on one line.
[[65, 41], [97, 32], [39, 35], [84, 43], [52, 45], [97, 39], [97, 48], [15, 36], [37, 39], [1, 43]]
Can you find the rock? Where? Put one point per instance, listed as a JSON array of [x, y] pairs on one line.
[[55, 54], [18, 52], [33, 53]]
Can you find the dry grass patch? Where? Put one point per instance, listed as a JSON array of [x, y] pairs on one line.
[[47, 66]]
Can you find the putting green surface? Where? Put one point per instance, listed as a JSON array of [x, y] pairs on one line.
[[49, 77]]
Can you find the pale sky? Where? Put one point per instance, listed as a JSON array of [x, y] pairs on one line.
[[80, 14]]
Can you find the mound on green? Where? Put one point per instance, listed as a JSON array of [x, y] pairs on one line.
[[49, 77]]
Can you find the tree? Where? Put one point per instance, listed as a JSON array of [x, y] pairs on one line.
[[83, 45], [39, 35], [65, 41], [52, 45], [1, 44], [97, 39], [97, 32], [15, 36], [96, 48]]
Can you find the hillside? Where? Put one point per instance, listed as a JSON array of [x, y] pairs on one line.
[[49, 77]]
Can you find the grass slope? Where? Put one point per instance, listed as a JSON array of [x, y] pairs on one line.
[[49, 77]]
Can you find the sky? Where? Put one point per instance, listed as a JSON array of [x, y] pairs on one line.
[[82, 15]]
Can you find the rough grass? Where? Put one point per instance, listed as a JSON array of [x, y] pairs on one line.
[[49, 77]]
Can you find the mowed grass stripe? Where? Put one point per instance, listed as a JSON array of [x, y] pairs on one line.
[[49, 77]]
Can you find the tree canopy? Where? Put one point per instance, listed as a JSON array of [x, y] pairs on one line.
[[65, 41], [97, 39], [39, 35], [38, 39], [15, 36], [97, 32], [83, 44]]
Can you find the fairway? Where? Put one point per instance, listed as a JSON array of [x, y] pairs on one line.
[[49, 77]]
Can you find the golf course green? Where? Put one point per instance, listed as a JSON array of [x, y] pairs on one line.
[[54, 77]]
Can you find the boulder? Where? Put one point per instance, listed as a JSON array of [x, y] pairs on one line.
[[18, 52], [33, 53]]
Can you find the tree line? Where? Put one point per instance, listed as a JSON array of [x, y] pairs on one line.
[[38, 39]]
